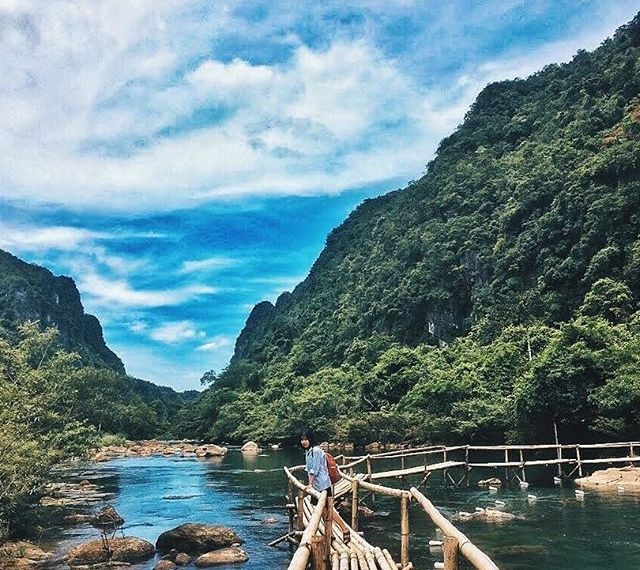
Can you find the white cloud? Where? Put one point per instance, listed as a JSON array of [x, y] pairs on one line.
[[197, 265], [216, 343], [94, 113], [138, 327], [219, 81], [107, 292], [176, 332], [32, 238]]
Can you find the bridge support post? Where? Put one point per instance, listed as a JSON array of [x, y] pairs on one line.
[[300, 513], [404, 530], [467, 469], [328, 530], [451, 553], [354, 505], [559, 448], [579, 460], [318, 553]]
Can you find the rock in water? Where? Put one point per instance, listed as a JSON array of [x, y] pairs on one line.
[[194, 538], [107, 518], [128, 550], [232, 555]]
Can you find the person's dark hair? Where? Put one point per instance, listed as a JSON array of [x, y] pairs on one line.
[[309, 435]]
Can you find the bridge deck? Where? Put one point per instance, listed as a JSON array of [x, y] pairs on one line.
[[357, 554]]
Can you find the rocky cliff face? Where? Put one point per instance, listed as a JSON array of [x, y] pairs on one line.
[[32, 293]]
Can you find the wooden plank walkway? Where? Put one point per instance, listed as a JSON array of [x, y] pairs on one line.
[[357, 554], [343, 487]]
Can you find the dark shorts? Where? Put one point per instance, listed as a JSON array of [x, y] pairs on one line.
[[329, 490]]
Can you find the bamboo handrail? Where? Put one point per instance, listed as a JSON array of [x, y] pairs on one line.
[[469, 550], [359, 551], [301, 556], [381, 489]]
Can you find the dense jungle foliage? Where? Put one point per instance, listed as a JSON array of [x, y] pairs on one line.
[[494, 299], [53, 408]]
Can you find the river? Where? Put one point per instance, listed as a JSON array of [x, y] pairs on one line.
[[247, 493]]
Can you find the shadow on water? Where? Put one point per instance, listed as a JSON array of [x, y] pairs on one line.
[[247, 493]]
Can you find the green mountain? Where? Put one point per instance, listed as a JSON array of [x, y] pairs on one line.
[[107, 398], [526, 218], [32, 293]]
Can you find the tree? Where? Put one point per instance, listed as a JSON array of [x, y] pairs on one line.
[[39, 422], [608, 299]]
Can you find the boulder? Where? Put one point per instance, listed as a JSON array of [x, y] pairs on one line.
[[617, 478], [107, 518], [194, 538], [210, 451], [128, 549], [250, 447], [22, 555], [165, 565], [182, 559], [489, 514], [494, 481], [232, 555]]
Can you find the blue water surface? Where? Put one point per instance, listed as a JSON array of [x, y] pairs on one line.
[[247, 493]]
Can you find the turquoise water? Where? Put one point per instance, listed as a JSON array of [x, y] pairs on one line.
[[247, 493]]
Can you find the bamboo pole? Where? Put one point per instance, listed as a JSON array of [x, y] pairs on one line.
[[466, 466], [451, 553], [381, 559], [317, 553], [559, 460], [444, 471], [328, 527], [579, 460], [369, 474], [354, 504], [371, 561], [362, 561], [404, 530], [389, 559], [506, 468], [300, 510], [301, 555]]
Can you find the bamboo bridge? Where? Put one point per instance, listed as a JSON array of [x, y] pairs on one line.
[[325, 541]]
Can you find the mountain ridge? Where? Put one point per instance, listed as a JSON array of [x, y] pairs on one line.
[[32, 292], [524, 211]]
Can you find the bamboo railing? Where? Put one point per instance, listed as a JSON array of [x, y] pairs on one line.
[[570, 459], [323, 550], [319, 545]]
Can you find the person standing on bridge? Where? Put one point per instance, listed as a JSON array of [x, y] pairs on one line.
[[316, 468], [316, 463]]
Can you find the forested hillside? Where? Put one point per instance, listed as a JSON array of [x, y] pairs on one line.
[[494, 298], [32, 293], [62, 390]]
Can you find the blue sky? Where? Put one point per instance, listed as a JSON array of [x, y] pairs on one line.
[[184, 160]]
